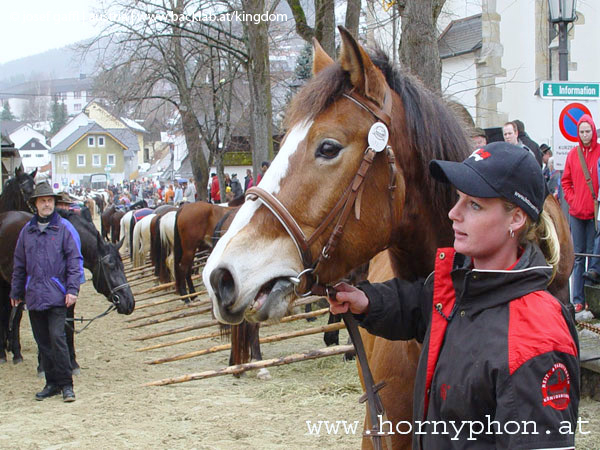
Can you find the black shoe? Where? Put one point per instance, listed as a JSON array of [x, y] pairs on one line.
[[48, 391], [592, 275], [68, 394]]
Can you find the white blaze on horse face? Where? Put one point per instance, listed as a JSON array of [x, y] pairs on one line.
[[255, 253]]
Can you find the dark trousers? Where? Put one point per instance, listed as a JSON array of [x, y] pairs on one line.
[[48, 328], [583, 233]]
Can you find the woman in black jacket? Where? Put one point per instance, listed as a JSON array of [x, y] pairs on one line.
[[500, 365]]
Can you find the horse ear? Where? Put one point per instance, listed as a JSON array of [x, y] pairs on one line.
[[120, 244], [33, 174], [364, 76], [320, 58], [18, 171]]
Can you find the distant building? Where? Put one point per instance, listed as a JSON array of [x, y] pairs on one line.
[[75, 93]]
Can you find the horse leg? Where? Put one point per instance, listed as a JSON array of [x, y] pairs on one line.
[[70, 332], [255, 353], [307, 309], [4, 317], [15, 336], [332, 337]]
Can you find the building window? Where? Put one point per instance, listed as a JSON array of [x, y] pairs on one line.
[[80, 160], [96, 160], [110, 160], [26, 155], [77, 94], [100, 141], [146, 154], [39, 155], [77, 107], [91, 141]]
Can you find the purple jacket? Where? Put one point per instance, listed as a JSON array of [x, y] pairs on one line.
[[47, 264]]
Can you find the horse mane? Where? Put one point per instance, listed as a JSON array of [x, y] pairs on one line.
[[432, 129], [12, 198], [82, 223]]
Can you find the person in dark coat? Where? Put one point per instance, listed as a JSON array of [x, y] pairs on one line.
[[498, 349], [528, 142], [236, 187], [48, 268]]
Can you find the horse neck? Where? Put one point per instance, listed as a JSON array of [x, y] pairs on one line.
[[89, 244], [12, 200]]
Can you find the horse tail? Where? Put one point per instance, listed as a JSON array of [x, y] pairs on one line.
[[156, 247], [177, 255], [131, 229], [136, 249], [165, 250], [240, 343]]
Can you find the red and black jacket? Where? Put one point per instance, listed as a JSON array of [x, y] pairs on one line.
[[498, 349]]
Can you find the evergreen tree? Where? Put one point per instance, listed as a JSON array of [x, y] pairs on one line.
[[59, 116], [303, 68], [6, 113]]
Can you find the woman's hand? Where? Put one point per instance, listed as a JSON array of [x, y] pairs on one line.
[[348, 298]]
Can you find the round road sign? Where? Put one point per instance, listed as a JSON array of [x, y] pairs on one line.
[[568, 119]]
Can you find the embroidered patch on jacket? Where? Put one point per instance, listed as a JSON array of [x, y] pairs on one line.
[[555, 387]]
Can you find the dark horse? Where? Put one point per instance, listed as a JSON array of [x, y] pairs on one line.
[[252, 272], [16, 192], [101, 258]]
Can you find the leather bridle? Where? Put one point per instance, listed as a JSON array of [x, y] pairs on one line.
[[307, 280]]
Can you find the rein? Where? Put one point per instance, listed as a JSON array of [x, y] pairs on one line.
[[308, 280], [81, 319]]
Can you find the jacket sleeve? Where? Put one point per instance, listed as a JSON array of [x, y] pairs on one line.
[[542, 397], [398, 309], [74, 260], [19, 275], [566, 181]]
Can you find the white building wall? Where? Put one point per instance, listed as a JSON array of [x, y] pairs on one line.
[[33, 159], [459, 81], [24, 134], [79, 120]]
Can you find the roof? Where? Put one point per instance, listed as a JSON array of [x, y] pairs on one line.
[[8, 127], [49, 86], [460, 37], [133, 124], [185, 170], [33, 144], [67, 142], [128, 138]]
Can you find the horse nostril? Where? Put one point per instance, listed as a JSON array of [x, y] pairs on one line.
[[222, 283]]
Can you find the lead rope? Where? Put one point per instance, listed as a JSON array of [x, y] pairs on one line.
[[81, 319]]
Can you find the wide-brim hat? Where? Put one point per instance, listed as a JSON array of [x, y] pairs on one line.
[[497, 170], [64, 197], [43, 189]]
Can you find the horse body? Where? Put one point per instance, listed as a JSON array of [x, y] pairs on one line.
[[141, 240], [106, 220], [194, 228], [166, 260], [399, 206], [99, 257]]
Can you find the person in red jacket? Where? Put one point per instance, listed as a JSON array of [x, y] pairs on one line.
[[580, 199], [215, 192], [498, 349]]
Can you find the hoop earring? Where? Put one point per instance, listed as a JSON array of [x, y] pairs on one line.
[[511, 233]]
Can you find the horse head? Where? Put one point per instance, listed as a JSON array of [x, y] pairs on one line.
[[333, 197], [109, 277]]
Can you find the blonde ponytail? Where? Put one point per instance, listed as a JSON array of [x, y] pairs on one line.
[[544, 234]]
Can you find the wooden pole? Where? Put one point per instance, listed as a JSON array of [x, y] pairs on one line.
[[162, 287], [313, 354], [205, 324], [166, 300], [168, 319], [264, 340], [218, 333], [182, 307]]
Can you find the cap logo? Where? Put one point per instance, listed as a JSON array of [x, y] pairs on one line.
[[480, 155]]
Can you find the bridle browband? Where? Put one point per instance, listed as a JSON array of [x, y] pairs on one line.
[[308, 281]]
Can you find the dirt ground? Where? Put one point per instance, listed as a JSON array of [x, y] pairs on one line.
[[113, 410]]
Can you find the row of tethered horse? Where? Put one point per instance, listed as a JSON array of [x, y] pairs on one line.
[[175, 239]]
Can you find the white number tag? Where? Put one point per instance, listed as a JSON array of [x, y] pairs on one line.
[[378, 136]]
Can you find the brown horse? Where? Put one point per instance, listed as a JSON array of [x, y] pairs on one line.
[[156, 256], [253, 270], [194, 229], [106, 221]]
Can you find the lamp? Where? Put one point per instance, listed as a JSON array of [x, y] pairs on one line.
[[562, 12]]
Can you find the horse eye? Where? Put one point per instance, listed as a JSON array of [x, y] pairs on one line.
[[328, 149]]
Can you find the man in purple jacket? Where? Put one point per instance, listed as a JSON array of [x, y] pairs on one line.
[[48, 267]]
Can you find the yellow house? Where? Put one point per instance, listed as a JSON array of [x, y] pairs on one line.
[[95, 149], [106, 120]]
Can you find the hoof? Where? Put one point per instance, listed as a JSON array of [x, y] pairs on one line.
[[263, 374], [17, 359], [311, 319], [349, 356]]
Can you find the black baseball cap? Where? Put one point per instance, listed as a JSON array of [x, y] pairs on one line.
[[497, 170]]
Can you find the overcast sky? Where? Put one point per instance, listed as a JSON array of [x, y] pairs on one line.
[[28, 27]]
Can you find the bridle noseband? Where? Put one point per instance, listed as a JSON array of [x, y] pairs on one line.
[[307, 281], [101, 273]]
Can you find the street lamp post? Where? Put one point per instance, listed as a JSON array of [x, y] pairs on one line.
[[562, 12]]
